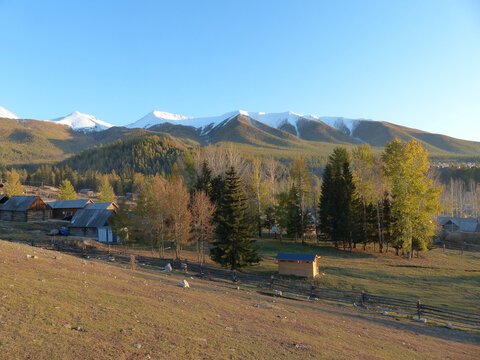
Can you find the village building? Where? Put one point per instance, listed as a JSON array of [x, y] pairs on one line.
[[3, 199], [87, 192], [305, 265], [93, 221], [102, 206], [65, 209], [453, 224], [25, 208]]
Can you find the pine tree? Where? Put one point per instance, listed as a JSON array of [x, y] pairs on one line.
[[295, 227], [234, 247], [106, 191], [338, 201], [66, 191], [204, 179], [13, 187]]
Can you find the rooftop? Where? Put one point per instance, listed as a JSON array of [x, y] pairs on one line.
[[296, 257]]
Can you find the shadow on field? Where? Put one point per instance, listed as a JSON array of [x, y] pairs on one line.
[[273, 247], [403, 324]]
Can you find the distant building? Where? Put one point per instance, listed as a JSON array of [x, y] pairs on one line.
[[102, 206], [88, 192], [93, 221], [453, 224], [3, 199], [62, 209], [298, 264], [24, 208]]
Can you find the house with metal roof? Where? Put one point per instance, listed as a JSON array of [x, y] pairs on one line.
[[305, 265], [62, 209], [3, 199], [102, 206], [453, 224], [25, 208], [90, 222]]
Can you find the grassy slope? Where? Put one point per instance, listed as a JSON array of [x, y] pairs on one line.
[[437, 278], [116, 308]]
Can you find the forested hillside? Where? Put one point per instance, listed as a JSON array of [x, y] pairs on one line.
[[148, 155]]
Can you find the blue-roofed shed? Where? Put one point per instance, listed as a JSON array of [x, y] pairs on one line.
[[298, 264]]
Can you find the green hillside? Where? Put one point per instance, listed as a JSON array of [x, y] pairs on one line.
[[378, 133], [25, 142]]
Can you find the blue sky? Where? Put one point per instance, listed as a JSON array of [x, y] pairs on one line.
[[414, 63]]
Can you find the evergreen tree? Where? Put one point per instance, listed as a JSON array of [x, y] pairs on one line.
[[66, 191], [234, 247], [338, 201], [204, 179], [295, 226], [106, 191], [13, 187]]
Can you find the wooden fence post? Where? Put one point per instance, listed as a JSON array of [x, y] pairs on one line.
[[419, 309], [312, 291], [132, 262], [234, 276], [364, 297], [272, 279]]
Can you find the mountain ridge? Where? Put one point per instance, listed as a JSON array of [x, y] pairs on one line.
[[27, 141]]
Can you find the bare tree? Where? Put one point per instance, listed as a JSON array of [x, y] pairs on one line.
[[202, 210], [179, 217]]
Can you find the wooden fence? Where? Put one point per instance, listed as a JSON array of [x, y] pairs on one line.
[[415, 309]]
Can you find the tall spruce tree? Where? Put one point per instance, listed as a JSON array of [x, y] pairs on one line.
[[234, 247], [338, 201]]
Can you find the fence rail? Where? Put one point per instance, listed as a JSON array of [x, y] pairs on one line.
[[416, 309]]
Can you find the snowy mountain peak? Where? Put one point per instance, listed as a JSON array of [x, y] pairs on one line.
[[4, 113], [275, 120], [82, 122]]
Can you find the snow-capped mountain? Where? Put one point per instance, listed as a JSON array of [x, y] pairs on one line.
[[4, 113], [82, 122], [275, 120]]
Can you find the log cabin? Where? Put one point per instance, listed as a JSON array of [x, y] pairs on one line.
[[62, 209], [25, 208]]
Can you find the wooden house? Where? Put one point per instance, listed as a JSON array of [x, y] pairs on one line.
[[453, 224], [3, 199], [62, 209], [25, 208], [86, 222], [298, 264], [87, 192], [102, 206]]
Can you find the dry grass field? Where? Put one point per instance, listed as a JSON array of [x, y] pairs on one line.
[[56, 306]]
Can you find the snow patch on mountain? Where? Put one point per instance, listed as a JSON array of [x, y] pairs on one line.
[[159, 117], [274, 120], [82, 122], [4, 113], [347, 126]]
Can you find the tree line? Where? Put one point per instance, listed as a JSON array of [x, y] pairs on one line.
[[387, 199]]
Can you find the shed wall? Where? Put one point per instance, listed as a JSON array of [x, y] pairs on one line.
[[307, 269]]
